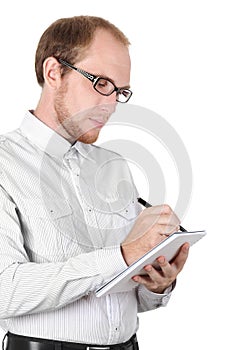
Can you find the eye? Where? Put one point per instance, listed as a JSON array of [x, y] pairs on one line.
[[125, 93], [102, 83], [104, 86]]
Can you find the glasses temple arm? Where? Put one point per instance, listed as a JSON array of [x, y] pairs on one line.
[[87, 75]]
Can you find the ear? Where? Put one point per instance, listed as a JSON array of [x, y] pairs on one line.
[[52, 72]]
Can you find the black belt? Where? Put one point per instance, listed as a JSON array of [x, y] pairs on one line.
[[19, 342]]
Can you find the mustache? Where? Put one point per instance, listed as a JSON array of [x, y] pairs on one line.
[[99, 113], [82, 122]]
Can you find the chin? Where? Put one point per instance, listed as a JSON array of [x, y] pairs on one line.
[[89, 137]]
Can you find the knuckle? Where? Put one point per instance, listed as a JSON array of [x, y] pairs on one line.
[[167, 209]]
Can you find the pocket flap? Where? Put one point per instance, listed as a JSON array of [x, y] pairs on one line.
[[130, 212], [49, 208]]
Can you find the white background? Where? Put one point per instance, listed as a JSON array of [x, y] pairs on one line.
[[182, 69]]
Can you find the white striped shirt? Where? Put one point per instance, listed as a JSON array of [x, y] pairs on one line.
[[64, 210]]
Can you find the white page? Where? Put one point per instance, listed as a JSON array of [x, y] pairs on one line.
[[123, 282]]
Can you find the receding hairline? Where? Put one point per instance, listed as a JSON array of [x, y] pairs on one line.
[[69, 38]]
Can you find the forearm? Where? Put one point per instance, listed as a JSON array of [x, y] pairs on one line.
[[28, 288]]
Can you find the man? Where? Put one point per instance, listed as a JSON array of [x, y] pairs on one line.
[[67, 220]]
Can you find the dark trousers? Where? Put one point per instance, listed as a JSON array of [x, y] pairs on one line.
[[18, 342]]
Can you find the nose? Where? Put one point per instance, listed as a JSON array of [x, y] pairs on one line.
[[108, 104]]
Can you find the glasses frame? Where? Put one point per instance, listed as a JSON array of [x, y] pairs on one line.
[[95, 79]]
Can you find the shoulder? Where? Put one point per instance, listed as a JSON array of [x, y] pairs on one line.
[[9, 148], [10, 138]]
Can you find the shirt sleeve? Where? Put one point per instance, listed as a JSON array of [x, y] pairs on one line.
[[29, 287], [148, 300]]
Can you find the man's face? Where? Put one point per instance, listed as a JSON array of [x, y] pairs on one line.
[[80, 109]]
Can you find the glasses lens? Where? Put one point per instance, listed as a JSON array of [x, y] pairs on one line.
[[104, 86], [124, 96]]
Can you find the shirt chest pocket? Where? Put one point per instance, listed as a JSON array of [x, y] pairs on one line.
[[48, 224], [116, 225]]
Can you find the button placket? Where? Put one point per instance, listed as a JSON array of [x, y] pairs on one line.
[[88, 212]]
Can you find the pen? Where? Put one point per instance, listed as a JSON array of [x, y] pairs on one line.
[[147, 205]]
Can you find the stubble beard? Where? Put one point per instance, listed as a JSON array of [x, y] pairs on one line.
[[67, 126]]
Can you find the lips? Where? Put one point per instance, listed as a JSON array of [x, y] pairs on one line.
[[97, 122]]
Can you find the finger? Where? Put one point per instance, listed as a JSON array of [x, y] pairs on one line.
[[181, 258], [165, 267], [163, 209], [154, 280], [163, 220], [153, 273], [165, 229], [158, 209], [145, 280]]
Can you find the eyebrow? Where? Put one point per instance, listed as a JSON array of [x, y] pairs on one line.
[[112, 81]]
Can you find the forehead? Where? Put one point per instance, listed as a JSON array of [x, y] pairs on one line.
[[107, 54]]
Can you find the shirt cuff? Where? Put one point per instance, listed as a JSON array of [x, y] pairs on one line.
[[166, 292], [110, 262], [156, 298]]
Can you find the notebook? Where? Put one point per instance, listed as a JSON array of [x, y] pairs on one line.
[[169, 248]]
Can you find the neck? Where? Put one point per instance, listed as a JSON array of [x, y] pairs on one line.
[[46, 113]]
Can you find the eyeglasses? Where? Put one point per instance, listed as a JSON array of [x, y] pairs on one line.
[[102, 85]]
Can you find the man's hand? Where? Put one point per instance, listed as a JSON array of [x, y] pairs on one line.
[[158, 280], [152, 226]]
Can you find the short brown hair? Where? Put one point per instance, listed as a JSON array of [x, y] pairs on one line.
[[68, 38]]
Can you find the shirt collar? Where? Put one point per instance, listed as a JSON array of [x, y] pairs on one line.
[[43, 136], [84, 149], [48, 140]]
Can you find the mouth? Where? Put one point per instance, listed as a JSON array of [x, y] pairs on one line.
[[97, 122]]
